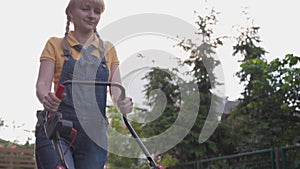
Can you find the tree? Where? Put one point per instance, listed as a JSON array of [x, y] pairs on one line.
[[268, 113], [202, 64]]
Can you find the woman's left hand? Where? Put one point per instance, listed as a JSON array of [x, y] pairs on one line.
[[125, 106]]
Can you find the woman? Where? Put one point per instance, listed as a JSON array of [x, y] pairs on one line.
[[79, 55]]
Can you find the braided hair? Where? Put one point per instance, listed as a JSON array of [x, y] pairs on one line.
[[65, 44]]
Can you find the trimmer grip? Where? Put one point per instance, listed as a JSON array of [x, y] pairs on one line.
[[59, 91]]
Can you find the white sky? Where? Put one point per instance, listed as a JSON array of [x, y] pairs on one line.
[[27, 25]]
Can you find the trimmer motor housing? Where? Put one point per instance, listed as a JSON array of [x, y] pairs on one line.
[[55, 124]]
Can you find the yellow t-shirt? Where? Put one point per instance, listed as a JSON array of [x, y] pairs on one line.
[[53, 51]]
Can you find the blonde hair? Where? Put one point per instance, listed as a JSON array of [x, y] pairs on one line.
[[72, 3]]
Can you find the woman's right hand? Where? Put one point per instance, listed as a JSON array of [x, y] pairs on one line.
[[51, 102]]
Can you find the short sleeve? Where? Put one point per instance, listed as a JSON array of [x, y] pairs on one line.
[[49, 52], [111, 53]]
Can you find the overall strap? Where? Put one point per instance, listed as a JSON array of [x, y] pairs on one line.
[[67, 53], [88, 53]]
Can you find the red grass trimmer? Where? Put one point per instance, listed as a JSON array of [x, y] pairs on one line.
[[65, 127]]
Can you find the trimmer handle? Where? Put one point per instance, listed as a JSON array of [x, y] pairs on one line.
[[59, 91], [98, 83]]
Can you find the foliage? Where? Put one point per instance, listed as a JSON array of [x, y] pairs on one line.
[[1, 122], [268, 113], [5, 143], [114, 160], [167, 161]]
